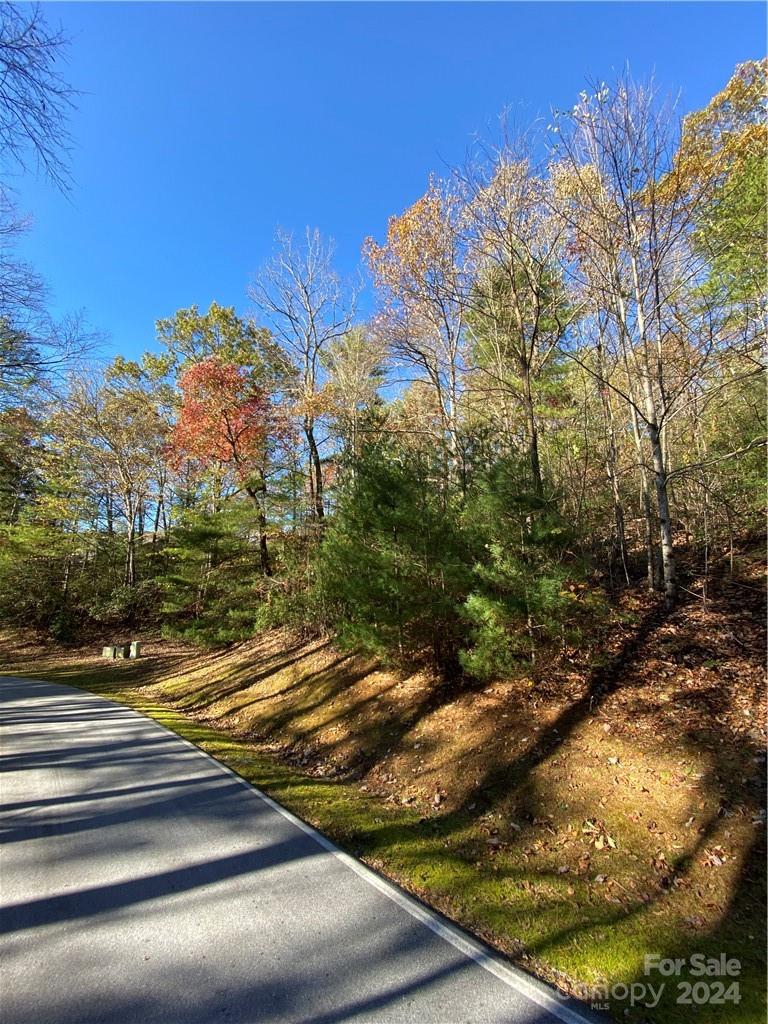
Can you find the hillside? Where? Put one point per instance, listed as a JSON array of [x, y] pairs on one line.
[[576, 821]]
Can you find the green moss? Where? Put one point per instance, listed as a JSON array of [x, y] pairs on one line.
[[562, 926]]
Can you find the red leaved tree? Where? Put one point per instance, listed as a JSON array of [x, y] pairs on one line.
[[227, 420]]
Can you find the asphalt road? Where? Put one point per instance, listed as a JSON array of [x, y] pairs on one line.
[[143, 882]]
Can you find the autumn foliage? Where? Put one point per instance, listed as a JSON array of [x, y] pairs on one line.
[[225, 418]]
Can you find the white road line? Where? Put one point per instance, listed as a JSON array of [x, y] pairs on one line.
[[537, 991], [516, 979]]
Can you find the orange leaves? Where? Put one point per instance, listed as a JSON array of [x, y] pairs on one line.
[[224, 418], [419, 242]]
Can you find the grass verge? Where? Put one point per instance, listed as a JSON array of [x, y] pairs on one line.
[[557, 900]]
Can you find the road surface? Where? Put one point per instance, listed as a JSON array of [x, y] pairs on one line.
[[143, 882]]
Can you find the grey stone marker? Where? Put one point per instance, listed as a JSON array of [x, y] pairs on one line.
[[108, 652], [121, 651], [135, 650]]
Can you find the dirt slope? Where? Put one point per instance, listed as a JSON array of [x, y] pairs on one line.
[[575, 821]]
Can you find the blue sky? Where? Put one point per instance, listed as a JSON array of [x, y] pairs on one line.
[[201, 127]]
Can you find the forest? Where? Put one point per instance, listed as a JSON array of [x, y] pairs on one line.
[[558, 394], [460, 560]]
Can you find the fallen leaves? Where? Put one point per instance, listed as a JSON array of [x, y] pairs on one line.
[[695, 921], [598, 835], [715, 857], [660, 862]]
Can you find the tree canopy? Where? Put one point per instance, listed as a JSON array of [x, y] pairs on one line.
[[559, 393]]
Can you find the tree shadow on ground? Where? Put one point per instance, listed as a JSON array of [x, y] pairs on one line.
[[446, 840], [342, 951], [654, 905]]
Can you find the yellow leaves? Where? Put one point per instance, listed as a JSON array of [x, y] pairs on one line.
[[313, 404], [569, 184], [741, 102], [512, 190], [419, 242], [731, 128]]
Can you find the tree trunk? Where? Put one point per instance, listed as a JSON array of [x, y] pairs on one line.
[[611, 463], [538, 483], [295, 471], [456, 469], [158, 514], [202, 589], [266, 565], [257, 496], [655, 406], [130, 505], [315, 469], [533, 430], [665, 523], [129, 576], [651, 572], [618, 518], [65, 581], [645, 497]]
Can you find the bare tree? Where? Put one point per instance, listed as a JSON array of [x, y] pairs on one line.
[[34, 103], [36, 352], [34, 98], [421, 276], [302, 299], [355, 367], [518, 310], [117, 429], [632, 212]]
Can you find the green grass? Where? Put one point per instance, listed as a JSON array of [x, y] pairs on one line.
[[564, 927]]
